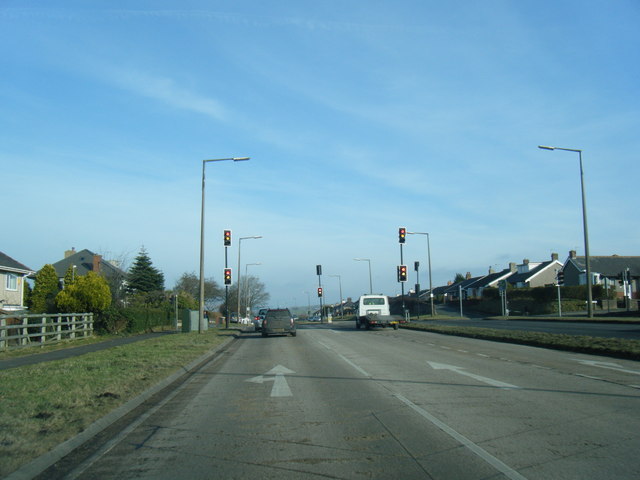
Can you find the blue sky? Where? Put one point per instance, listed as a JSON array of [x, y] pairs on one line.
[[359, 117]]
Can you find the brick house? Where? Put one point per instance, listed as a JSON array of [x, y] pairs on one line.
[[12, 278]]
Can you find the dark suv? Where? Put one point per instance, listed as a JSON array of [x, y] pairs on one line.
[[278, 322]]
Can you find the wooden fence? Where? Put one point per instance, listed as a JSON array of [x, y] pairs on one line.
[[40, 329]]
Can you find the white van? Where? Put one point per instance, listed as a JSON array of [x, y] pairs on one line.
[[373, 311]]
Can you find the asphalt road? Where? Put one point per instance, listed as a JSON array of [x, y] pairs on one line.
[[335, 402], [628, 331]]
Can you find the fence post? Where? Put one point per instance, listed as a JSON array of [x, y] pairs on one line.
[[43, 330], [3, 333], [24, 331], [73, 326], [58, 328]]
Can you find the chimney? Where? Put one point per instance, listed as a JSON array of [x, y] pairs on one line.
[[491, 270], [525, 261], [572, 254], [68, 253], [468, 275], [554, 256], [513, 267], [97, 259]]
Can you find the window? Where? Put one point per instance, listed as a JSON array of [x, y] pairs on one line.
[[373, 301], [12, 282]]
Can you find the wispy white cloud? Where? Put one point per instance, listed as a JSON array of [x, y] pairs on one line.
[[166, 90]]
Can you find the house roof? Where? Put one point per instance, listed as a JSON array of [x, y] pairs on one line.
[[491, 279], [527, 276], [463, 284], [608, 266], [9, 264], [83, 260]]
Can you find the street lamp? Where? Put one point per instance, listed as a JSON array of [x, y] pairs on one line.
[[584, 226], [201, 312], [367, 260], [239, 247], [429, 261], [340, 284]]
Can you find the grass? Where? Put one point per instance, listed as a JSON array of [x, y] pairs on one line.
[[45, 404], [615, 347]]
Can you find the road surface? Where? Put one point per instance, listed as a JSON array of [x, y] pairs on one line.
[[335, 402], [627, 331]]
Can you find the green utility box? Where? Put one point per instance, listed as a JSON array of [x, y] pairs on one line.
[[190, 320]]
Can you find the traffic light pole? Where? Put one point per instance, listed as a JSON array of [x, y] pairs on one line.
[[319, 273], [226, 291], [404, 314]]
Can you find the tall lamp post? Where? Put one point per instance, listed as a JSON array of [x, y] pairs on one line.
[[239, 284], [340, 284], [429, 261], [201, 312], [584, 227], [370, 282]]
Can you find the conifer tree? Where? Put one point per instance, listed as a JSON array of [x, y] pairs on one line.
[[69, 276], [45, 290], [143, 277]]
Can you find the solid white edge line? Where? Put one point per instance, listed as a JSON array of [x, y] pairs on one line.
[[483, 454]]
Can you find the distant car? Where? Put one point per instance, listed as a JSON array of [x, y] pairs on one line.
[[278, 321], [257, 320]]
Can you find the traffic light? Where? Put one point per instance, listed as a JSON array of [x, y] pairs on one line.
[[402, 273], [227, 276], [402, 234], [319, 291], [560, 277], [227, 238]]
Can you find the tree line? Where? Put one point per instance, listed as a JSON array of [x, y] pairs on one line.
[[117, 301]]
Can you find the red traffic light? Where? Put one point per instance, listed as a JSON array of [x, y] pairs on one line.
[[402, 273], [227, 238], [319, 291], [227, 276], [402, 234]]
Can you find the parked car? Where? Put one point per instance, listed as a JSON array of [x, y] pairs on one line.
[[278, 321], [257, 320]]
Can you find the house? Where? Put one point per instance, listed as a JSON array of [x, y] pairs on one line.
[[86, 261], [605, 270], [465, 287], [12, 278], [491, 280], [535, 274]]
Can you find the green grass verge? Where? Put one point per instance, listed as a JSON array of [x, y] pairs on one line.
[[45, 404], [615, 347]]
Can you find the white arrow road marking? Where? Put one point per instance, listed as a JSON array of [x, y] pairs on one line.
[[276, 375], [461, 371], [608, 365]]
